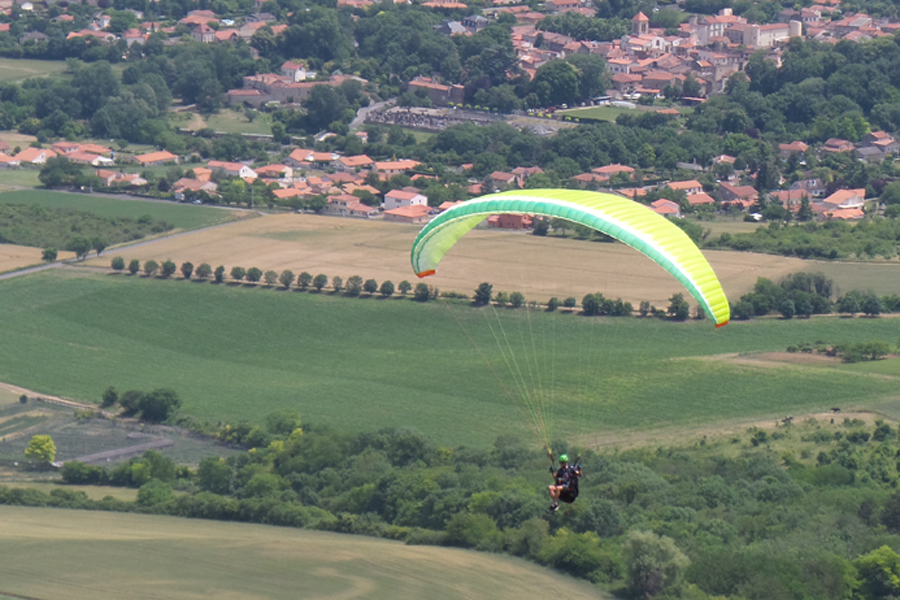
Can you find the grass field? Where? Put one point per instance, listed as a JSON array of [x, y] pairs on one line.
[[537, 267], [16, 178], [78, 555], [18, 69], [94, 492], [226, 120], [238, 353], [16, 257], [183, 216], [598, 113]]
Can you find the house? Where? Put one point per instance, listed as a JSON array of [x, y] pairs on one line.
[[299, 158], [346, 205], [204, 34], [408, 214], [474, 23], [395, 167], [7, 161], [439, 94], [870, 154], [745, 195], [789, 199], [700, 199], [86, 158], [813, 187], [156, 158], [688, 187], [34, 156], [667, 208], [65, 147], [786, 150], [508, 221], [610, 170], [846, 214], [398, 198], [502, 180], [276, 172], [854, 198], [837, 145], [294, 71], [118, 179]]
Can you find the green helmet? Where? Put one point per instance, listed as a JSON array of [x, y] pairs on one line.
[[563, 458]]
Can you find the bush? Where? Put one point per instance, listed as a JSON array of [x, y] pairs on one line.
[[238, 273], [473, 531], [579, 554], [168, 269], [203, 272], [187, 269], [118, 263], [134, 266], [422, 293]]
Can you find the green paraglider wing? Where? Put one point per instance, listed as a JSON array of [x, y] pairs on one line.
[[618, 217]]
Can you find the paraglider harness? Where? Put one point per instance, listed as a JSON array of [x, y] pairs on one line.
[[568, 478]]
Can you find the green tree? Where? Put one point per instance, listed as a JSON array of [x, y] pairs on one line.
[[219, 274], [41, 448], [422, 293], [187, 269], [370, 286], [49, 255], [387, 289], [304, 280], [238, 273], [81, 246], [253, 274], [286, 278], [871, 305], [270, 277], [848, 304], [540, 227], [150, 268], [99, 245], [679, 309], [787, 308], [203, 272], [155, 492], [652, 563], [168, 269], [337, 284], [215, 475], [516, 299], [483, 294], [110, 397], [320, 281], [878, 573], [553, 304], [158, 405], [354, 285], [555, 83], [403, 287], [118, 263], [134, 266]]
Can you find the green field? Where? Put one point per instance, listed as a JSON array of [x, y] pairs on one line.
[[598, 113], [18, 69], [183, 216], [226, 120], [13, 178], [235, 352], [79, 555]]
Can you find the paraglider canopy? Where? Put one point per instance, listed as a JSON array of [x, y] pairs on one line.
[[625, 220]]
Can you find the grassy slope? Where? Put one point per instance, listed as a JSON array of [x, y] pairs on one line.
[[183, 216], [51, 553], [239, 353], [18, 69]]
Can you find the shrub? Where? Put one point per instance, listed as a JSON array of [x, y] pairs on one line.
[[118, 263], [203, 272]]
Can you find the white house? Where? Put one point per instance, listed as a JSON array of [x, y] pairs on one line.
[[399, 198]]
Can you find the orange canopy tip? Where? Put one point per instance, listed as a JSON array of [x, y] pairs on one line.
[[425, 273], [722, 324]]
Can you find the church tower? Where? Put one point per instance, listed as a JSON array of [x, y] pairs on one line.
[[640, 24]]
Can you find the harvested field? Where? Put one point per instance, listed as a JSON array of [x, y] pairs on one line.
[[80, 555], [17, 257], [511, 261]]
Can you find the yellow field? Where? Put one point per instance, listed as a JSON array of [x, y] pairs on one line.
[[511, 261], [94, 492], [80, 555], [17, 257]]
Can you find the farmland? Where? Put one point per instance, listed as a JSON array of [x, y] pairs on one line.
[[237, 352], [537, 267], [19, 69], [181, 215], [53, 553], [16, 257]]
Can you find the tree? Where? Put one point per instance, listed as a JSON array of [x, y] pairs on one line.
[[220, 274], [118, 263], [41, 448], [158, 405], [552, 304], [80, 246], [337, 284], [570, 302], [422, 293], [304, 280], [150, 268], [238, 273], [806, 212], [271, 278], [878, 573], [155, 492], [110, 397], [168, 269], [483, 294], [320, 281], [253, 274], [555, 83], [203, 272], [848, 304], [286, 278], [187, 269], [49, 256], [99, 245], [787, 308], [679, 309], [404, 287], [387, 289], [370, 286], [354, 285], [871, 305], [134, 266], [652, 563], [516, 299], [540, 227], [215, 475]]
